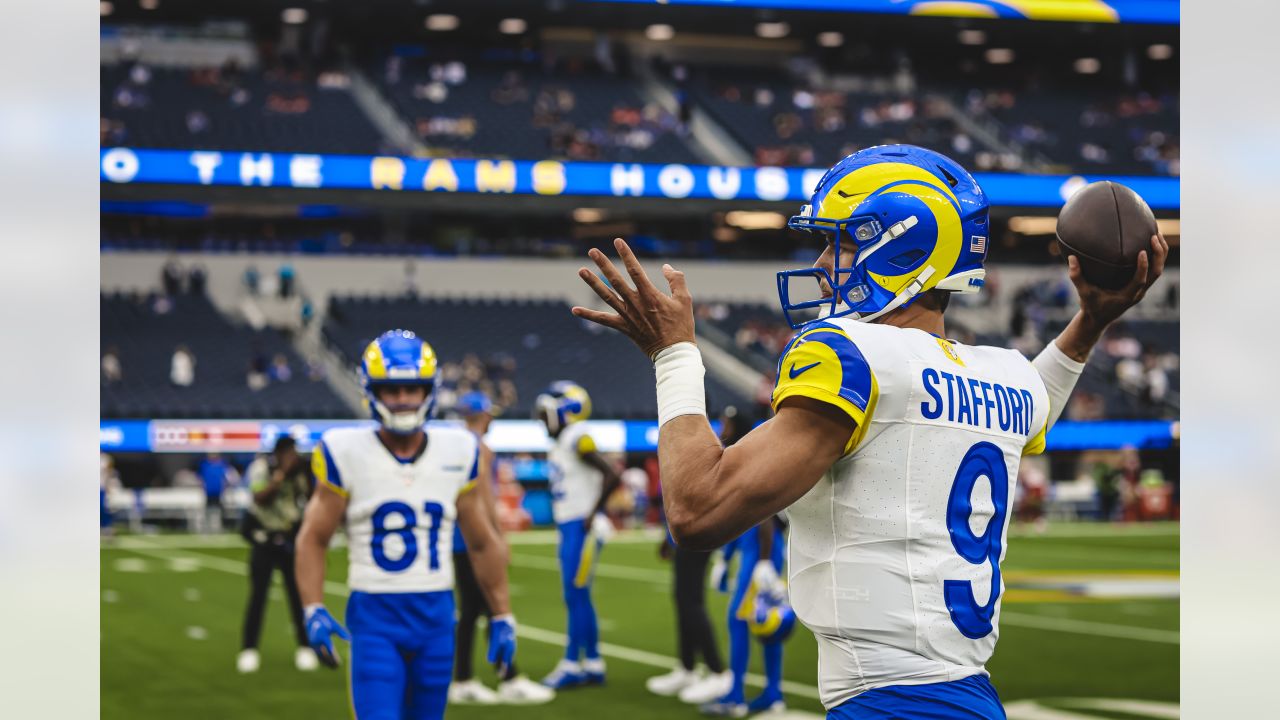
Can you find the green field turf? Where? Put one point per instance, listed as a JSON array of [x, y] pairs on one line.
[[172, 610]]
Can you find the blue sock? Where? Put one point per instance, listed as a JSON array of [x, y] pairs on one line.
[[773, 669], [590, 635], [739, 657]]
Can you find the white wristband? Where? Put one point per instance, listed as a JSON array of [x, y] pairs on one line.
[[680, 390], [1059, 374]]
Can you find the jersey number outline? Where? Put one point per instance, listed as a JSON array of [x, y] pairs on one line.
[[983, 459], [380, 532]]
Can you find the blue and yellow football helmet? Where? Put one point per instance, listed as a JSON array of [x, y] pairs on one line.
[[398, 357], [562, 403], [771, 619], [914, 219]]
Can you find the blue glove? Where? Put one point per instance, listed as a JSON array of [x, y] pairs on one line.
[[502, 642], [320, 626]]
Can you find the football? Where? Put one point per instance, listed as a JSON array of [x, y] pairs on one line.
[[1106, 225]]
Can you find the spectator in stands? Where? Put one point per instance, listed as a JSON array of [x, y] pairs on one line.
[[1156, 381], [252, 281], [216, 475], [182, 367], [112, 372], [256, 377], [171, 277], [280, 485], [286, 280], [197, 279], [280, 370], [197, 122]]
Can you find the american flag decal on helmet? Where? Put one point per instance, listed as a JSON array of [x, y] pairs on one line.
[[978, 244]]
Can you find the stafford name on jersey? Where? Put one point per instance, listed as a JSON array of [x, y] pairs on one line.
[[976, 403]]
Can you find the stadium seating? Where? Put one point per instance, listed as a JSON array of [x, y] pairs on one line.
[[546, 342], [526, 111], [763, 110], [146, 340], [1112, 132], [275, 111]]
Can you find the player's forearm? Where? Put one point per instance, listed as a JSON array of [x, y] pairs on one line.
[[707, 502], [611, 482], [1077, 340], [490, 565]]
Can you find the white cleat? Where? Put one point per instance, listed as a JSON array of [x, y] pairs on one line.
[[248, 661], [709, 688], [471, 692], [520, 690], [304, 658], [671, 683]]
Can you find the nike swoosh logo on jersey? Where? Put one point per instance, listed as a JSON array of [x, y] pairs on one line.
[[794, 373]]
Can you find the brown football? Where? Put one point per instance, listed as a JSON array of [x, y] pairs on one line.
[[1106, 225]]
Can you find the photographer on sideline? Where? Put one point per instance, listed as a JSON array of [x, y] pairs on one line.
[[280, 486]]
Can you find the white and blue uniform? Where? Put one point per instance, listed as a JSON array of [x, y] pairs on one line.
[[894, 556], [575, 492], [399, 523]]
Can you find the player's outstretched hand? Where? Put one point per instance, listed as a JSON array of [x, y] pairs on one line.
[[1103, 306], [502, 643], [652, 319], [321, 627], [602, 527]]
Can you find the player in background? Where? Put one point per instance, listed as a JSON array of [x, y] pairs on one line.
[[399, 489], [691, 611], [761, 552], [581, 482], [477, 413], [893, 450]]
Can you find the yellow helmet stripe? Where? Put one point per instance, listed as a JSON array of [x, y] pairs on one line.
[[427, 365], [374, 362]]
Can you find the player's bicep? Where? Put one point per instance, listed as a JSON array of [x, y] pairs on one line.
[[474, 520], [324, 514], [785, 457], [824, 367]]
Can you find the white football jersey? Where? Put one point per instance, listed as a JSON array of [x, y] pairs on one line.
[[575, 485], [894, 556], [400, 513]]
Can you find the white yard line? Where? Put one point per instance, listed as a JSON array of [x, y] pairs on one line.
[[227, 540], [1011, 619], [623, 572], [1091, 529], [1089, 627], [619, 652]]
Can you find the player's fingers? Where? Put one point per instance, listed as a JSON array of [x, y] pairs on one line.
[[342, 632], [1159, 254], [636, 272], [601, 318], [675, 279], [611, 273], [1073, 270], [606, 293], [1138, 284]]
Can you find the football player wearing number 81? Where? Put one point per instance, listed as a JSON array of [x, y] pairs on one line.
[[399, 489], [894, 450]]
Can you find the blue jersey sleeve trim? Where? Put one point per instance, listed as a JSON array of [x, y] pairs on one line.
[[855, 376]]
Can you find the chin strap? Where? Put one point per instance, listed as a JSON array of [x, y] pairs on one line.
[[902, 298]]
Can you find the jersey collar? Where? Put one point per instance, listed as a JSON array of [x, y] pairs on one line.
[[404, 461]]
